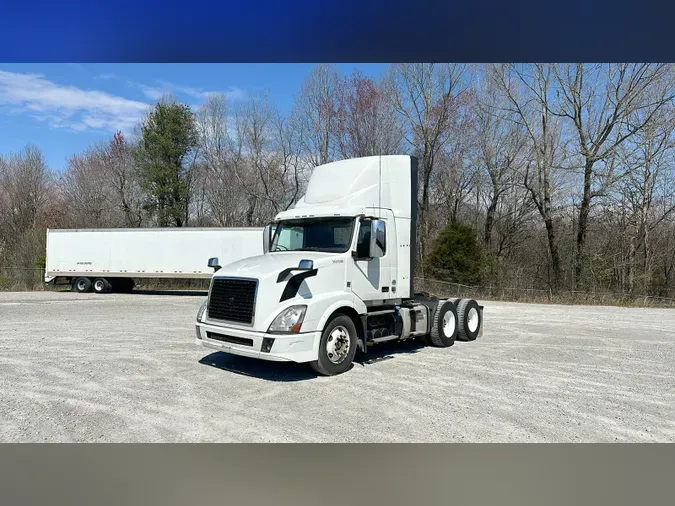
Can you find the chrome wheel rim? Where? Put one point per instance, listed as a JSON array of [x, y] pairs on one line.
[[338, 344], [81, 285], [98, 286], [472, 319], [449, 324]]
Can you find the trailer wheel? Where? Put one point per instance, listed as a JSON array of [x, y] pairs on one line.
[[469, 316], [444, 325], [101, 285], [337, 346], [82, 285]]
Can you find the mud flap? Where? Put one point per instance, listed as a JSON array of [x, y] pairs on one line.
[[480, 330], [362, 341]]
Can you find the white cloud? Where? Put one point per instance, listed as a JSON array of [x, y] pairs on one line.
[[165, 88], [151, 92], [199, 93], [68, 107]]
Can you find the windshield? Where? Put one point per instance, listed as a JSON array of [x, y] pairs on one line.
[[330, 235]]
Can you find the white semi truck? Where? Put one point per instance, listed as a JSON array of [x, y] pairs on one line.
[[336, 275], [106, 260]]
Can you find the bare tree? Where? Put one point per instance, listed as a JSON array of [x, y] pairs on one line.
[[119, 170], [271, 155], [429, 97], [25, 189], [527, 89], [220, 153], [600, 101], [89, 196], [500, 144], [24, 185], [367, 123], [316, 114], [646, 159]]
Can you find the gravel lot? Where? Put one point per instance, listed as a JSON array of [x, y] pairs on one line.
[[124, 368]]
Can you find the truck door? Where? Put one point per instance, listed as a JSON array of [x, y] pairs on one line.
[[371, 279]]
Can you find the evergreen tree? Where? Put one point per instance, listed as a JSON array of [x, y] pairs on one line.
[[168, 136]]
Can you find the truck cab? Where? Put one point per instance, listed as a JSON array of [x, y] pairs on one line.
[[336, 275]]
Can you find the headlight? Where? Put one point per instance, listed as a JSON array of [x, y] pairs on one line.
[[289, 320], [200, 313]]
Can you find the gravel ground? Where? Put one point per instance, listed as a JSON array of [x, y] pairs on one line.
[[124, 368]]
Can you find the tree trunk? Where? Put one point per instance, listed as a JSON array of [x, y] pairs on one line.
[[582, 223], [555, 256], [490, 219]]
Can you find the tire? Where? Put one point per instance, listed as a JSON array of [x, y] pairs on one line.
[[455, 301], [339, 327], [444, 325], [82, 285], [101, 285], [469, 318]]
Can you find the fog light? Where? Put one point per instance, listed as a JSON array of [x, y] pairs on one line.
[[267, 344], [199, 335]]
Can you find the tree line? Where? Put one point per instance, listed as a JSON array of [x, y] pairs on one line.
[[549, 176]]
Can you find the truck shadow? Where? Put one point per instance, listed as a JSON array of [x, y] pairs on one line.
[[262, 369], [290, 371], [387, 351]]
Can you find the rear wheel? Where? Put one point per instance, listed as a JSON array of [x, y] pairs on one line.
[[101, 285], [82, 285], [444, 326], [469, 317], [337, 347]]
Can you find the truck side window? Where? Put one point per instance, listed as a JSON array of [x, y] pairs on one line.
[[381, 238], [363, 244]]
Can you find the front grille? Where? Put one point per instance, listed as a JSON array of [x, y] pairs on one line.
[[232, 299], [230, 339]]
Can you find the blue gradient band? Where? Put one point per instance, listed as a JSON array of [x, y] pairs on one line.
[[327, 30]]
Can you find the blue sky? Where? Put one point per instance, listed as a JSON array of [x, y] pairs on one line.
[[62, 108]]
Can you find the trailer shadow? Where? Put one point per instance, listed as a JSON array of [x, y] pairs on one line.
[[290, 371], [180, 293]]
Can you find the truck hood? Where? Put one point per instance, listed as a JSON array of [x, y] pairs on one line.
[[270, 299], [270, 265]]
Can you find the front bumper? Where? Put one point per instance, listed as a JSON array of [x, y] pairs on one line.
[[300, 348]]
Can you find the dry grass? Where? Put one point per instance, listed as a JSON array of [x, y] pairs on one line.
[[33, 281]]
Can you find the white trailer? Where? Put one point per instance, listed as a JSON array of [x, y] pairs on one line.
[[105, 260], [337, 275]]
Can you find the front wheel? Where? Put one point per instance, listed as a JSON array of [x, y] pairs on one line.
[[337, 347]]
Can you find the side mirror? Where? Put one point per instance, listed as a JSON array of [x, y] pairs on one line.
[[267, 238], [213, 263], [378, 239]]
